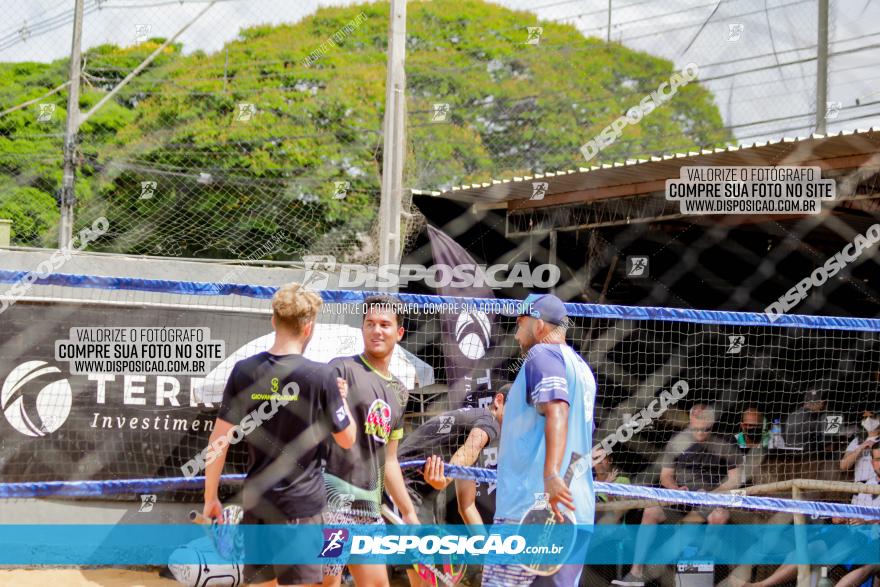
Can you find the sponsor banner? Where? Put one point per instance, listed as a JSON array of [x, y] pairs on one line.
[[468, 335], [470, 348], [61, 421], [65, 416], [825, 544]]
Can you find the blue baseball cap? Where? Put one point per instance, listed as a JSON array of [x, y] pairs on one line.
[[546, 307]]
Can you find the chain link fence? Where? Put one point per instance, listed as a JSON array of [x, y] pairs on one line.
[[264, 119]]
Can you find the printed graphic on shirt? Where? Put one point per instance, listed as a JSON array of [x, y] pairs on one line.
[[378, 423]]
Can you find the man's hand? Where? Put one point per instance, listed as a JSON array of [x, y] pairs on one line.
[[411, 519], [343, 387], [558, 493], [433, 473], [213, 509]]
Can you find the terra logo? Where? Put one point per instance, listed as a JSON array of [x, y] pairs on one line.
[[334, 542], [34, 400], [473, 333]]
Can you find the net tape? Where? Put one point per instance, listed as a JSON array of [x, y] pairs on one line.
[[197, 288], [696, 498], [109, 487]]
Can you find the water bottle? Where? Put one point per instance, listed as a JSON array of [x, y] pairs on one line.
[[824, 581], [776, 440]]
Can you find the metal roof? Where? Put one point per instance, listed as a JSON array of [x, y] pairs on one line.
[[850, 147]]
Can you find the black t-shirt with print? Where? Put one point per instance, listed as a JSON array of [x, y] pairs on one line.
[[354, 477], [443, 435], [287, 406]]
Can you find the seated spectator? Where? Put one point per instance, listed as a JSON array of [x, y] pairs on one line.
[[869, 499], [805, 427], [708, 463], [751, 440], [753, 430], [821, 548], [858, 453], [604, 470]]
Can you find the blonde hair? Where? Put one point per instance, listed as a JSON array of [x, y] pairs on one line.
[[295, 306]]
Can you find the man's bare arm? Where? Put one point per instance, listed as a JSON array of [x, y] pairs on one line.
[[667, 479], [395, 485], [555, 437], [732, 481], [213, 470], [347, 437], [466, 495], [465, 456]]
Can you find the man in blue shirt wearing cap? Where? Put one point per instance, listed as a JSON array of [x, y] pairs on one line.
[[549, 416]]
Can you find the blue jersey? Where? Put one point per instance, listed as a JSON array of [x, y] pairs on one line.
[[550, 372]]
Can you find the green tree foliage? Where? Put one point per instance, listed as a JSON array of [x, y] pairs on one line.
[[180, 163]]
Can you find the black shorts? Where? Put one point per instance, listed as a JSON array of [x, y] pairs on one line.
[[285, 574], [424, 500]]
